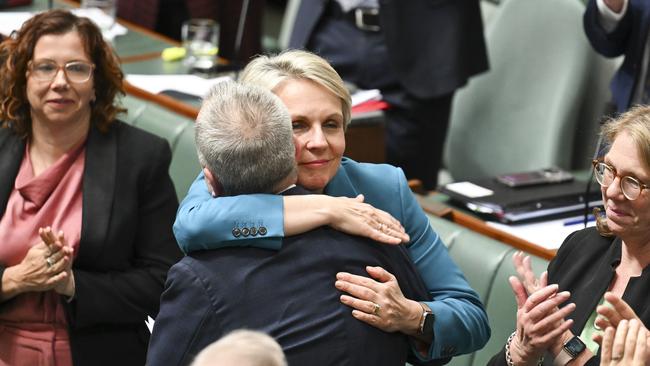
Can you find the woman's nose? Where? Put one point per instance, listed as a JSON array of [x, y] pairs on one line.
[[60, 79], [317, 139], [614, 189]]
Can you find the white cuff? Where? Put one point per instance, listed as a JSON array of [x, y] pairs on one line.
[[608, 19]]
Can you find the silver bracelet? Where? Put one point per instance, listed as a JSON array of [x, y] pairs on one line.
[[509, 358]]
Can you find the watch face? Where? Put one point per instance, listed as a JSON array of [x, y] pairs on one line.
[[428, 323], [574, 346]]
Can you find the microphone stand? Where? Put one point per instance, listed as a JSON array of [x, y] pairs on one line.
[[239, 37], [598, 152], [240, 28]]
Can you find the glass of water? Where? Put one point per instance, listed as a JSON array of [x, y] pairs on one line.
[[201, 42], [104, 11]]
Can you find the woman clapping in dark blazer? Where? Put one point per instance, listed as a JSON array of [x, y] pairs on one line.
[[85, 238]]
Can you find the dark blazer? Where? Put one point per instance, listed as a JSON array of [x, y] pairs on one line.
[[585, 265], [629, 39], [434, 46], [126, 246], [289, 294]]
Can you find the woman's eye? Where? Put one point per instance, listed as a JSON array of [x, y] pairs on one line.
[[45, 67], [332, 124], [297, 125]]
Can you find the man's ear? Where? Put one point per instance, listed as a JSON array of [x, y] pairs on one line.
[[214, 186]]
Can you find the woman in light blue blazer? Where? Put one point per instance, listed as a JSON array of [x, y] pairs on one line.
[[319, 105]]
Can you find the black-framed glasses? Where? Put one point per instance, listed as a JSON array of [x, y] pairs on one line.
[[605, 175], [75, 71]]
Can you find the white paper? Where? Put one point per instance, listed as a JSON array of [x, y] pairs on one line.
[[547, 234], [469, 189], [11, 21], [362, 96], [188, 84], [102, 20]]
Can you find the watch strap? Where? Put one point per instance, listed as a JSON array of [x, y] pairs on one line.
[[562, 358], [565, 356], [425, 312]]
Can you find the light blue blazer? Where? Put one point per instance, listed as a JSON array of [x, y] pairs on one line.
[[461, 324]]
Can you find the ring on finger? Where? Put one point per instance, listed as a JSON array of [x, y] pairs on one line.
[[49, 261], [376, 308], [617, 357]]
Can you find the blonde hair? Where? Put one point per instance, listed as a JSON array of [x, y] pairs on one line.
[[636, 123], [242, 348], [270, 71]]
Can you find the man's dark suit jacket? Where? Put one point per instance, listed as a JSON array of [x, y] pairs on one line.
[[434, 45], [288, 294], [629, 39], [126, 245]]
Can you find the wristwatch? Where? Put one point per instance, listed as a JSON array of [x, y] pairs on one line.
[[571, 349], [427, 320]]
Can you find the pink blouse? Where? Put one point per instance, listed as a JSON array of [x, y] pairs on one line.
[[53, 198]]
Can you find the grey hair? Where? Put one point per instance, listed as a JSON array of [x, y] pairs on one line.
[[242, 348], [244, 137], [270, 72]]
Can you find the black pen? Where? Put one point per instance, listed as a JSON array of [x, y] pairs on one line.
[[579, 220]]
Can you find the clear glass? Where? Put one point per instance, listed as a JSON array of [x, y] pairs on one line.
[[605, 175], [75, 71], [102, 12], [201, 42]]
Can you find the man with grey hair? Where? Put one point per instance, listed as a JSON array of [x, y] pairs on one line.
[[244, 141]]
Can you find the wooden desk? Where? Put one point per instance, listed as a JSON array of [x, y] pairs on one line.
[[434, 203]]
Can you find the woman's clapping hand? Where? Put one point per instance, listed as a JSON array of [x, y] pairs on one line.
[[65, 286], [627, 345], [540, 323]]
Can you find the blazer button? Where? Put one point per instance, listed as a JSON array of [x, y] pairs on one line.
[[253, 231], [245, 232], [262, 230], [236, 232]]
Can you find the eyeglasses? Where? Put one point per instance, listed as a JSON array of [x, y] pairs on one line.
[[605, 175], [75, 71]]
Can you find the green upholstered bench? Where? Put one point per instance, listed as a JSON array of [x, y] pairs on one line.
[[487, 265], [178, 130]]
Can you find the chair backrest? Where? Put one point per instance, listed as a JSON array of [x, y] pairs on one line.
[[176, 129], [521, 114], [487, 264]]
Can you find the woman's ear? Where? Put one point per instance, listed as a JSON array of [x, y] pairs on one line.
[[214, 186]]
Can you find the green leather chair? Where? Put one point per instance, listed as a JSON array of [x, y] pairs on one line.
[[487, 265], [176, 129], [522, 114]]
